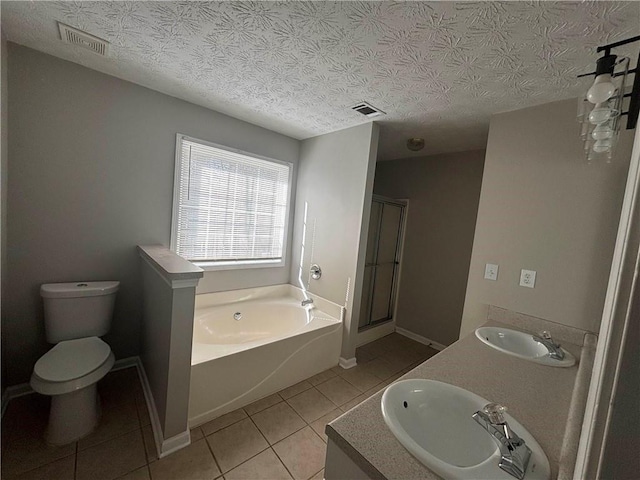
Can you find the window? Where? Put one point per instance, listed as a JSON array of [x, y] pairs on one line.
[[230, 208]]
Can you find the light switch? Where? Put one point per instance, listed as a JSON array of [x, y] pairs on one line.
[[491, 272], [528, 278]]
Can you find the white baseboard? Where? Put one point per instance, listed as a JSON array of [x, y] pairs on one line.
[[374, 333], [347, 363], [420, 339], [164, 446]]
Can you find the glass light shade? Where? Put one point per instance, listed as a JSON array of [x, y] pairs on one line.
[[602, 146], [602, 113], [602, 132], [602, 89]]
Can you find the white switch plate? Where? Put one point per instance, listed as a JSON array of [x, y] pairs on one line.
[[491, 271], [528, 278]]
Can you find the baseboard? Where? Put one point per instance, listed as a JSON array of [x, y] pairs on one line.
[[374, 333], [420, 339], [164, 446], [347, 363]]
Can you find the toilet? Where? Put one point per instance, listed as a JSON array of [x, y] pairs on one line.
[[75, 316]]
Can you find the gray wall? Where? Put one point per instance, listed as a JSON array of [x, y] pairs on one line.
[[443, 193], [4, 94], [543, 208], [92, 165], [336, 181]]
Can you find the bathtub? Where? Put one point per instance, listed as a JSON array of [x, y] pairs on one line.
[[248, 344]]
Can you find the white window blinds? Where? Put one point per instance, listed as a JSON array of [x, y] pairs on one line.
[[231, 207]]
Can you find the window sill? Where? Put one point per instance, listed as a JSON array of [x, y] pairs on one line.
[[216, 266]]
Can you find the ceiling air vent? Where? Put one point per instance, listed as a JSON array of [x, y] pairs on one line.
[[74, 36], [367, 109]]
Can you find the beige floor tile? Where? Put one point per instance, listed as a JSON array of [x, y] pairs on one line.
[[31, 451], [115, 421], [149, 444], [62, 469], [381, 368], [143, 410], [112, 459], [338, 390], [320, 424], [194, 462], [362, 356], [223, 421], [322, 377], [360, 379], [196, 434], [352, 403], [311, 405], [319, 475], [303, 453], [338, 370], [295, 389], [237, 443], [262, 404], [278, 422], [140, 474], [265, 466]]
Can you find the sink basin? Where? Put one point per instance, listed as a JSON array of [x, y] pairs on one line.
[[521, 345], [433, 421]]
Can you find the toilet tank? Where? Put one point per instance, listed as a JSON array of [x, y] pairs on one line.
[[77, 310]]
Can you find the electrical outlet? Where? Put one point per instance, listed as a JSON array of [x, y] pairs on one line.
[[491, 271], [528, 278]]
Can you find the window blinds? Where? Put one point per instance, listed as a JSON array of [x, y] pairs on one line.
[[231, 207]]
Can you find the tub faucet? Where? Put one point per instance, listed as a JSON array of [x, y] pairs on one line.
[[306, 302], [554, 348], [514, 453]]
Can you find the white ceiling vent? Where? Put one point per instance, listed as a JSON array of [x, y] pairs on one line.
[[83, 39], [367, 109]]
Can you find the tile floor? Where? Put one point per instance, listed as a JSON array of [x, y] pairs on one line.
[[279, 437]]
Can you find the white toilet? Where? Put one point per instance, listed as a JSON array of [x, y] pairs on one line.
[[75, 315]]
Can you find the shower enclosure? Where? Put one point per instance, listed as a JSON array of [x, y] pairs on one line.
[[384, 247]]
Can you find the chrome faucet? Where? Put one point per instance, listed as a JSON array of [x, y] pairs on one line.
[[554, 348], [514, 453], [306, 302]]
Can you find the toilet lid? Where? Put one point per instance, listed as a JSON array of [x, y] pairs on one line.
[[72, 359]]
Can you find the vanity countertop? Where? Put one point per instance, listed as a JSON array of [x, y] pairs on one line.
[[538, 396]]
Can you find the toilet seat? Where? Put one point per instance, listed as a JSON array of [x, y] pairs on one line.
[[71, 365]]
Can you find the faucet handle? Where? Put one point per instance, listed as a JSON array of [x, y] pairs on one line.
[[547, 336], [495, 412]]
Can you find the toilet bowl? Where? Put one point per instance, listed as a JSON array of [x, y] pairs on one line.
[[75, 314], [69, 372]]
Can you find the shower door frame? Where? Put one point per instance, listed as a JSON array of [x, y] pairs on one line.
[[395, 286]]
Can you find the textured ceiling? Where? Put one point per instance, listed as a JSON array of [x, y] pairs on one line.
[[438, 69]]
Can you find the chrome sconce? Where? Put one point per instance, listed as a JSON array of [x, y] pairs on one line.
[[600, 111]]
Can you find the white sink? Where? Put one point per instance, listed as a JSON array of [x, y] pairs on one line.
[[433, 420], [522, 345]]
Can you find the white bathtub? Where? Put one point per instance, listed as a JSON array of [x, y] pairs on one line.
[[276, 343]]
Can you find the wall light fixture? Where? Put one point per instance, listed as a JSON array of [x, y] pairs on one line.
[[601, 108]]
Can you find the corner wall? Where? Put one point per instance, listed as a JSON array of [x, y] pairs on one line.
[[335, 180], [443, 193], [4, 155], [543, 208], [92, 166]]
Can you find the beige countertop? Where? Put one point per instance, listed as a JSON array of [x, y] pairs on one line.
[[538, 396]]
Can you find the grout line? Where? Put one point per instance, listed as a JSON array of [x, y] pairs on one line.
[[283, 464], [215, 460]]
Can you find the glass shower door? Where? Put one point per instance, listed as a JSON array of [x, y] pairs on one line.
[[382, 262]]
